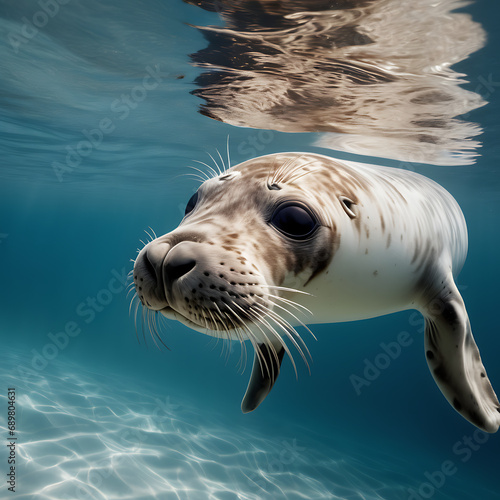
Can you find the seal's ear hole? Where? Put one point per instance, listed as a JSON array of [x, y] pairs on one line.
[[348, 206]]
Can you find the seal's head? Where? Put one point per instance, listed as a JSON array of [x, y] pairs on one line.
[[246, 235]]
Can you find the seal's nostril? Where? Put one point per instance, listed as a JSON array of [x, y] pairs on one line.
[[178, 265]]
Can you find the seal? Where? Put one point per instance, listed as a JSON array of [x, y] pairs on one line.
[[277, 235]]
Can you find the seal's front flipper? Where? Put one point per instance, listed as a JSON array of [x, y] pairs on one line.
[[265, 371], [454, 360]]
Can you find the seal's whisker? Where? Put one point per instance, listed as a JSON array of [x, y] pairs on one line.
[[216, 165], [228, 157], [142, 325], [294, 317], [205, 322], [295, 172], [261, 318], [295, 305], [135, 321], [137, 304], [151, 328], [219, 335], [282, 171], [221, 159], [243, 349], [153, 231], [289, 173], [265, 314], [214, 342], [296, 177], [225, 331], [287, 329], [158, 336], [202, 173], [260, 355], [278, 172], [291, 333], [287, 169], [237, 333], [253, 340], [198, 178], [298, 307], [210, 168], [271, 171], [151, 237], [136, 310], [285, 289], [242, 363], [131, 303]]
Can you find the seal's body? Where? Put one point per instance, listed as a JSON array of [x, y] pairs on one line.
[[288, 232]]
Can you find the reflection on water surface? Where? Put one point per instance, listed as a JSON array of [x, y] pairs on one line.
[[374, 76]]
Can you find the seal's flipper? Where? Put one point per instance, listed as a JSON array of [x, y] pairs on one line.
[[265, 371], [455, 363]]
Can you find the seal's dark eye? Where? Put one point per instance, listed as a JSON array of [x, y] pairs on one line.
[[191, 203], [294, 220]]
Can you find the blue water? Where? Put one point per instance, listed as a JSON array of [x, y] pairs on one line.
[[102, 413]]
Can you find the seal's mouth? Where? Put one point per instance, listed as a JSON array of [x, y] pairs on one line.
[[214, 329]]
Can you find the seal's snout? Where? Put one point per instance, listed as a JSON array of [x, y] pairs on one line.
[[148, 274]]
